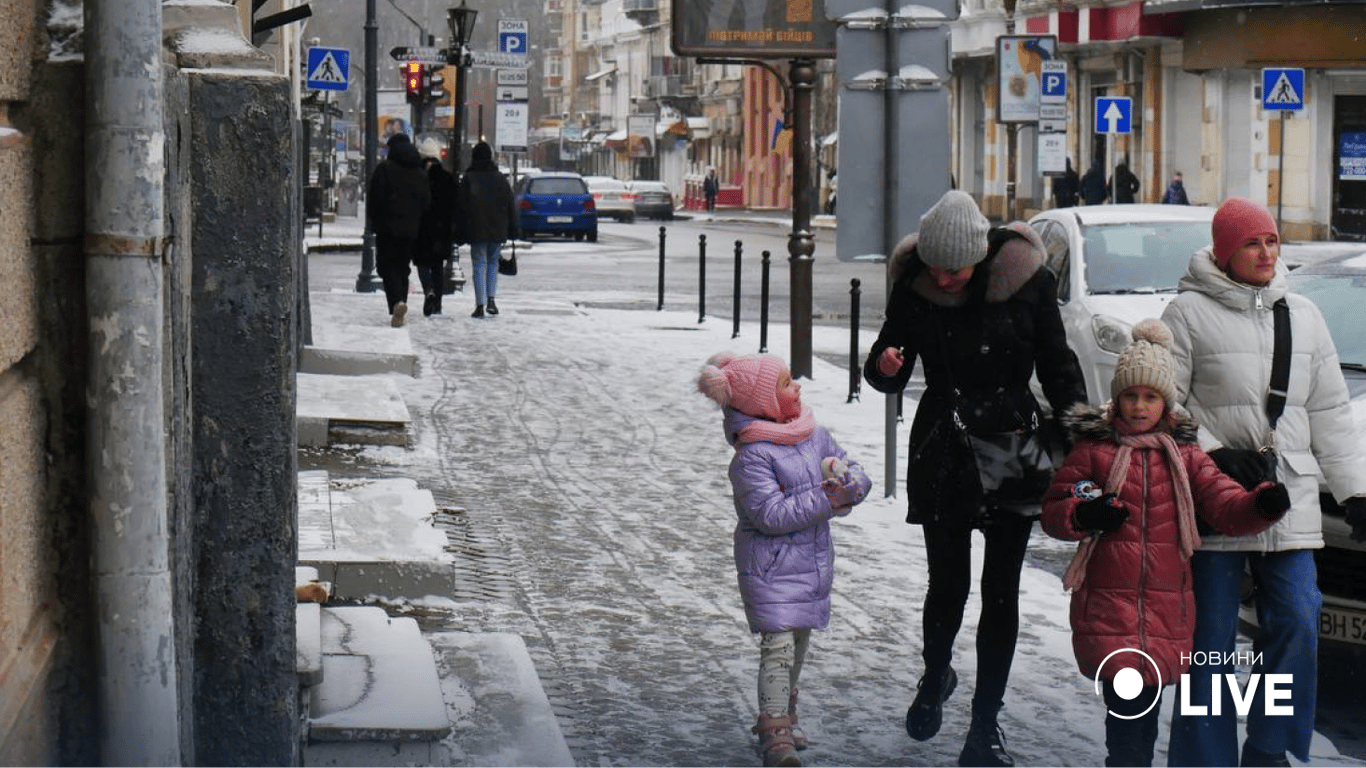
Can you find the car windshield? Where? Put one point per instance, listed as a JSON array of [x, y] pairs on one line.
[[1342, 300], [555, 186], [1144, 257]]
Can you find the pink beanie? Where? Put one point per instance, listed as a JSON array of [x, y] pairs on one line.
[[1237, 220], [747, 383]]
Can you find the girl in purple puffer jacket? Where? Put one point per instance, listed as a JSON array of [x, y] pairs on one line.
[[789, 477]]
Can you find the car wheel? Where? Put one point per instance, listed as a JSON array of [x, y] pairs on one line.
[[630, 218], [593, 236], [578, 237]]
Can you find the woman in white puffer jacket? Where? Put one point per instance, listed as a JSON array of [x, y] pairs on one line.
[[1223, 328]]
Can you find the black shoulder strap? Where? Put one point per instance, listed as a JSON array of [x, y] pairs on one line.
[[1280, 362]]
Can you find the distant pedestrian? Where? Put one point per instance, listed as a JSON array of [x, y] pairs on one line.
[[435, 233], [1124, 184], [1176, 192], [1094, 190], [789, 478], [397, 196], [1065, 187], [486, 217], [1131, 492], [710, 186]]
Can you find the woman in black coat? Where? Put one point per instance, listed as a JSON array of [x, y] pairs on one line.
[[434, 237], [980, 312]]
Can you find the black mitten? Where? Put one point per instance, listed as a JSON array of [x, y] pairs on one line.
[[1273, 502], [1242, 464], [1356, 517], [1104, 514]]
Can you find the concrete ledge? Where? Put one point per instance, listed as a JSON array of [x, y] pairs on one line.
[[379, 680], [414, 580], [354, 409], [349, 362]]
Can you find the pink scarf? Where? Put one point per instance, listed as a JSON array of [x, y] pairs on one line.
[[785, 433], [1185, 503]]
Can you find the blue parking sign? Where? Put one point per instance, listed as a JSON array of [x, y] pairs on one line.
[[1053, 83]]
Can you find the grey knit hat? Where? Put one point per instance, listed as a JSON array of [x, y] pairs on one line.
[[1147, 361], [953, 234]]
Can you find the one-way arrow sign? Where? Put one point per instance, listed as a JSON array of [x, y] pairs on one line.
[[1113, 114]]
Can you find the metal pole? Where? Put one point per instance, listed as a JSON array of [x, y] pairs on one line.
[[661, 269], [701, 278], [763, 305], [127, 487], [365, 280], [735, 320], [1280, 171], [457, 148], [853, 339], [801, 244]]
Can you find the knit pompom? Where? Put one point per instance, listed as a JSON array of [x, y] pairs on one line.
[[1154, 331], [713, 383]]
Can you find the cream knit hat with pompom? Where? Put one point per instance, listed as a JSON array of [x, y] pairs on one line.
[[1147, 361]]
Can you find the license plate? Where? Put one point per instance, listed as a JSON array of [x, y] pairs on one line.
[[559, 219], [1342, 625]]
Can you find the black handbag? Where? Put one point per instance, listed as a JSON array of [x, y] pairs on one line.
[[507, 265]]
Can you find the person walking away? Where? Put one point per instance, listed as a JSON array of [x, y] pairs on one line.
[[1065, 187], [1094, 189], [435, 231], [1131, 492], [710, 186], [486, 216], [790, 478], [1176, 192], [980, 311], [1223, 323], [395, 200], [1125, 184]]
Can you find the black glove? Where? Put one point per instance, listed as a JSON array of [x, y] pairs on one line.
[[1356, 517], [1104, 514], [1245, 465], [1273, 502]]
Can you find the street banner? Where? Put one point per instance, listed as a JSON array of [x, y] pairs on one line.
[[1019, 87], [753, 29], [640, 135]]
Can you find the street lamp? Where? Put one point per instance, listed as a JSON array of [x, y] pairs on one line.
[[461, 22]]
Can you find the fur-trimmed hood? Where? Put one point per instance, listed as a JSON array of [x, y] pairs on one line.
[[1084, 421], [1013, 265]]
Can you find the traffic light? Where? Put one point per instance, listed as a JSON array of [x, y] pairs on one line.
[[414, 79], [436, 85]]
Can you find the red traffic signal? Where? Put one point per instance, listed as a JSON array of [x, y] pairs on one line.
[[414, 77]]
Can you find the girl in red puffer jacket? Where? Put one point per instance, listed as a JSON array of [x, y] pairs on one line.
[[1131, 492]]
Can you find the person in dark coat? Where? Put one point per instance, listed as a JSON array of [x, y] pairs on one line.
[[435, 232], [1124, 183], [1094, 190], [395, 200], [1176, 192], [980, 311], [486, 217], [710, 186], [1065, 187]]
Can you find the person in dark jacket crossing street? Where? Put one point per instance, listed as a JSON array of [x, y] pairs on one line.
[[980, 311], [434, 236], [395, 200]]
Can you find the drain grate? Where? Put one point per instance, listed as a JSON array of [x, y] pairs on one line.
[[480, 570]]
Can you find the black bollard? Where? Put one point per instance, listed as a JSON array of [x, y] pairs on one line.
[[763, 306], [735, 322], [701, 278], [853, 340], [661, 270]]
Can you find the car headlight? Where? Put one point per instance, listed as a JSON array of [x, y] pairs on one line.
[[1112, 334]]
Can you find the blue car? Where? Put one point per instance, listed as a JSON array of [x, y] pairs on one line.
[[557, 204]]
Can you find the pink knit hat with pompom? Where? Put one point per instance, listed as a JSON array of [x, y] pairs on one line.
[[747, 383], [1236, 221]]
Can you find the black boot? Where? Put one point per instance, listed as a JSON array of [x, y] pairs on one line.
[[985, 744], [927, 711], [1255, 757]]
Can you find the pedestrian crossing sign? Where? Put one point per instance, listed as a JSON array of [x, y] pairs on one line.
[[1282, 88], [328, 68]]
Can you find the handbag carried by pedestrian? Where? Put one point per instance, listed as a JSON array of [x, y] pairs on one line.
[[507, 265]]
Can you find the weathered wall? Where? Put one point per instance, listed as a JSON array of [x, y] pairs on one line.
[[245, 267]]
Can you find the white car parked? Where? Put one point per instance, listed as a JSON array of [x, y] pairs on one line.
[[1116, 265], [612, 197]]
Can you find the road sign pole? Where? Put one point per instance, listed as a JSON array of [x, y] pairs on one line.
[[1280, 170], [365, 280]]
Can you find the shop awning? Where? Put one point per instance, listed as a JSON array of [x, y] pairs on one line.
[[676, 127], [616, 139], [699, 127], [600, 74]]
